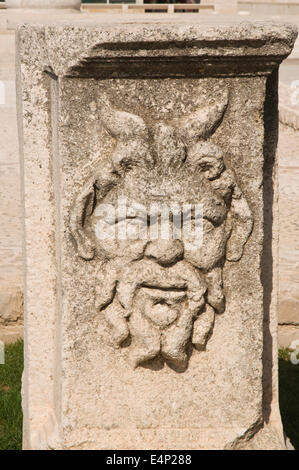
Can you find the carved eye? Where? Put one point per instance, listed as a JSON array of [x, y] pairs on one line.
[[211, 166], [205, 165]]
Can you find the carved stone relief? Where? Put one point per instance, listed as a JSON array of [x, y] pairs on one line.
[[159, 295]]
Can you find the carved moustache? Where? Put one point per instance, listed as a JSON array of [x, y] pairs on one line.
[[170, 283]]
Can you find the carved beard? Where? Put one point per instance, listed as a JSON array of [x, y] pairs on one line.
[[162, 309]]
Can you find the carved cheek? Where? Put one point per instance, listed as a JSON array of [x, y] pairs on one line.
[[211, 251], [130, 249], [117, 239], [106, 248]]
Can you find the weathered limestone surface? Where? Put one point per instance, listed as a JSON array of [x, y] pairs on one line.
[[142, 343]]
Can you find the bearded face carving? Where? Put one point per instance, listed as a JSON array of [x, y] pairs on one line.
[[161, 293]]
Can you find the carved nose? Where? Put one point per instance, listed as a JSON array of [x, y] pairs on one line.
[[165, 252]]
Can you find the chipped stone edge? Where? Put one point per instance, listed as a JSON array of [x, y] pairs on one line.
[[56, 51]]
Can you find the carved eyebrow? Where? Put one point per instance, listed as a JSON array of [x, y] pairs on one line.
[[137, 216]]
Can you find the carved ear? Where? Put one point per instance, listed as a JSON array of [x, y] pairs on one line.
[[131, 134], [242, 224], [203, 123], [83, 207], [95, 189]]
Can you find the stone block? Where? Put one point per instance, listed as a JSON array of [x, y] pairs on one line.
[[137, 338]]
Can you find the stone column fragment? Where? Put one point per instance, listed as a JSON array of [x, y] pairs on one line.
[[141, 334]]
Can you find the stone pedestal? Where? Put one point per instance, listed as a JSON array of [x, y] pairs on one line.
[[139, 333]]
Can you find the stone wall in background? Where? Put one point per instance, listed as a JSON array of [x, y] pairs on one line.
[[288, 149], [43, 4], [11, 278]]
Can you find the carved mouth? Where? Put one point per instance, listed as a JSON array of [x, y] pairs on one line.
[[165, 292], [152, 283], [161, 306]]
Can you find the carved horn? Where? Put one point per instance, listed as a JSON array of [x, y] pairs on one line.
[[204, 122], [131, 134]]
